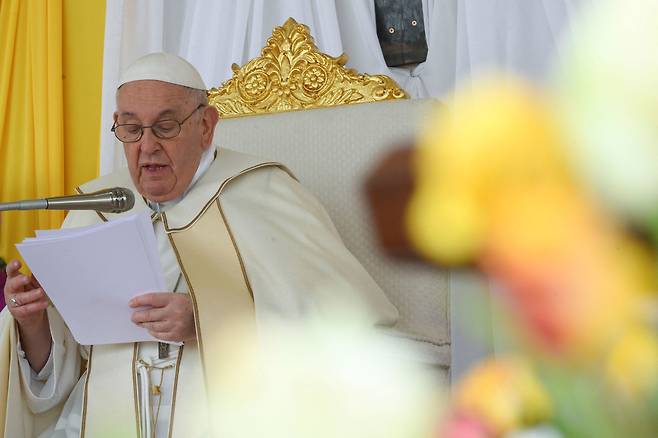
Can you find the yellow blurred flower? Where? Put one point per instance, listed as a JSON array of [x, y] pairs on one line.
[[495, 188], [504, 394], [632, 366], [449, 227], [495, 138]]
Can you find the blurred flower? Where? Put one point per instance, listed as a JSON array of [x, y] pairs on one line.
[[497, 137], [504, 395], [496, 189], [307, 379], [632, 366], [504, 181], [607, 95], [464, 426], [569, 275]]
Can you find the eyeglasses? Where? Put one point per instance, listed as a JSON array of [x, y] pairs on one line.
[[164, 129]]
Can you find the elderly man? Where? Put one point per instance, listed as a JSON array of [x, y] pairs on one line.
[[237, 236]]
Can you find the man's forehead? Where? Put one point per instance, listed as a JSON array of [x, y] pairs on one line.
[[159, 113], [148, 100]]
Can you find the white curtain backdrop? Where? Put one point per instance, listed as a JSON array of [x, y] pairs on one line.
[[465, 37]]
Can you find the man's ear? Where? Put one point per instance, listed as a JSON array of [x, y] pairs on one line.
[[208, 123]]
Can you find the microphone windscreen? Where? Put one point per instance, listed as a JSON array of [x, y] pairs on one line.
[[123, 198]]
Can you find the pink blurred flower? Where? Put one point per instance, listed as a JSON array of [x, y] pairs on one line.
[[460, 425]]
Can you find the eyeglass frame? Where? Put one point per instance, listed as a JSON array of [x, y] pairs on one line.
[[141, 127]]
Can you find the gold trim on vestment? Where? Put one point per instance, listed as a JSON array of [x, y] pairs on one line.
[[216, 280], [173, 395], [170, 231], [112, 387], [83, 416], [138, 413], [237, 250], [195, 307], [219, 191]]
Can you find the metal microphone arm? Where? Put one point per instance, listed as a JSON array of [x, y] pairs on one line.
[[35, 204], [115, 200]]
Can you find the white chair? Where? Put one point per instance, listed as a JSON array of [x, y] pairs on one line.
[[331, 148]]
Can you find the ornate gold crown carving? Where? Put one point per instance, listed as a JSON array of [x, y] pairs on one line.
[[292, 74]]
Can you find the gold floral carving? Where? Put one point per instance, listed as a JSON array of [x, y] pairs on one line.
[[292, 74]]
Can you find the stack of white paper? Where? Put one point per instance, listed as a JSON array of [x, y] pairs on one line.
[[90, 274]]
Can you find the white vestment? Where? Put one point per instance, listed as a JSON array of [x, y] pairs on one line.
[[294, 263]]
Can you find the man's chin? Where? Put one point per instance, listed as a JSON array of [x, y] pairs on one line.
[[158, 194]]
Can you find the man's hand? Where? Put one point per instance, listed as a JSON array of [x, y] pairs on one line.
[[27, 302], [25, 297], [170, 317]]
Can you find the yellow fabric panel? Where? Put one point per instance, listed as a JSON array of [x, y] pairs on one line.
[[84, 23], [51, 56], [31, 129]]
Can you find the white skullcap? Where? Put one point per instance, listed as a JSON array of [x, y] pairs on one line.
[[163, 67]]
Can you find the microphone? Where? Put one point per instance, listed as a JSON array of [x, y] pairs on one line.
[[114, 200]]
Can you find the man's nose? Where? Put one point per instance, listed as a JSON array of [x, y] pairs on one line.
[[149, 143]]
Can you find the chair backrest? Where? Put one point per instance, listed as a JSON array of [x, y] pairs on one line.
[[331, 150]]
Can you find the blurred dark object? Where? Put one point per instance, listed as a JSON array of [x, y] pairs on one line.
[[388, 190], [3, 279], [401, 31]]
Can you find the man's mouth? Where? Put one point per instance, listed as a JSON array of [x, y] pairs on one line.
[[153, 168]]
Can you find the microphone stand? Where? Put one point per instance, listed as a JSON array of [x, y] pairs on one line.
[[116, 200]]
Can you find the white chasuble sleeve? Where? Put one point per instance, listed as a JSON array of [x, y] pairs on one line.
[[295, 261], [53, 384]]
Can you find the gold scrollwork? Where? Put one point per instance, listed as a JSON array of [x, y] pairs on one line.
[[292, 74]]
